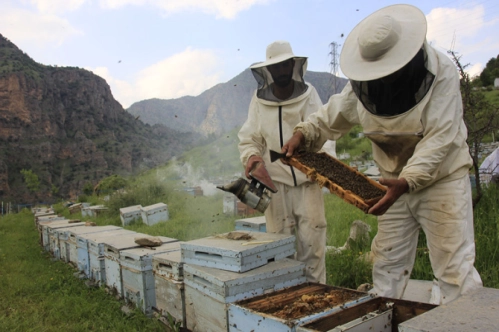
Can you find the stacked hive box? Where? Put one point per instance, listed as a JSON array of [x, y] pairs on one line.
[[71, 234], [222, 269], [112, 259], [137, 274], [93, 266], [47, 229], [169, 284]]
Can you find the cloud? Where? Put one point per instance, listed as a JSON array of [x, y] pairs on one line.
[[448, 27], [26, 27], [190, 72], [220, 8], [57, 6]]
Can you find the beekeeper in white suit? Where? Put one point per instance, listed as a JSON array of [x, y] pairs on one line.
[[282, 100], [406, 96]]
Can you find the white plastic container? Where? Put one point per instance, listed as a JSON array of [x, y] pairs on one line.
[[238, 255], [137, 275], [130, 214], [208, 291], [154, 214]]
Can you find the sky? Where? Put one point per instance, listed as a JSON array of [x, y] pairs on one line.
[[172, 48]]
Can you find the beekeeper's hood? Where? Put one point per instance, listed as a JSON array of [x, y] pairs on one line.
[[278, 51]]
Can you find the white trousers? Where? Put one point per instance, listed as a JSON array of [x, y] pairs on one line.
[[444, 212], [299, 211]]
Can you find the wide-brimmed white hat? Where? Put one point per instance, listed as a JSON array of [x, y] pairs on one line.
[[277, 51], [383, 42]]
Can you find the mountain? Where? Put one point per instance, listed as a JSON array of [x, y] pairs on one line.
[[64, 125], [221, 108]]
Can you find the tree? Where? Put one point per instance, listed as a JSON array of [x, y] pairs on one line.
[[480, 116], [110, 184], [490, 72], [31, 180]]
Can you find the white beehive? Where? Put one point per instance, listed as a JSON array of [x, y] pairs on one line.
[[48, 227], [72, 233], [93, 245], [130, 214], [208, 291], [169, 284], [137, 275], [154, 214], [112, 248], [93, 211], [257, 314], [255, 224], [53, 233], [222, 252], [44, 213]]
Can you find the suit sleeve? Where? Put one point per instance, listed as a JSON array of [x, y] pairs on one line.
[[251, 141]]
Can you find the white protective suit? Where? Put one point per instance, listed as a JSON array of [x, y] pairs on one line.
[[298, 206], [427, 146]]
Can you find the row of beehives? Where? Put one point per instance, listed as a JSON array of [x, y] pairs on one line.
[[217, 283], [149, 215]]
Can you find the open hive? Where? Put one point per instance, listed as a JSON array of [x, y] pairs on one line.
[[286, 309], [341, 179]]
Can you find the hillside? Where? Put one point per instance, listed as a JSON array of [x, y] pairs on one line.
[[64, 125], [219, 109]]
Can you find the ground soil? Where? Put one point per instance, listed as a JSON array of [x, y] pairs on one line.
[[340, 174], [308, 304]]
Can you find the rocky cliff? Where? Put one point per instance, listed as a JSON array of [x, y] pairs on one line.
[[65, 126]]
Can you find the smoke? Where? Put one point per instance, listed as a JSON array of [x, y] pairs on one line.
[[192, 177]]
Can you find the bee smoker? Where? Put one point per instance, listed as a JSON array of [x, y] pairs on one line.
[[255, 193]]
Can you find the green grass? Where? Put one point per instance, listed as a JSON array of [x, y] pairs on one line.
[[39, 294]]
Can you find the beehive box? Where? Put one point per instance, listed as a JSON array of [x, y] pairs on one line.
[[112, 248], [93, 246], [93, 211], [48, 227], [154, 214], [137, 275], [40, 215], [53, 233], [130, 214], [43, 232], [255, 224], [72, 244], [209, 291], [169, 284], [238, 251], [287, 309], [344, 181], [377, 314]]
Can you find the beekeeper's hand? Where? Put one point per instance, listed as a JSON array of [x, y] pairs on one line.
[[396, 188], [292, 145], [252, 161]]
